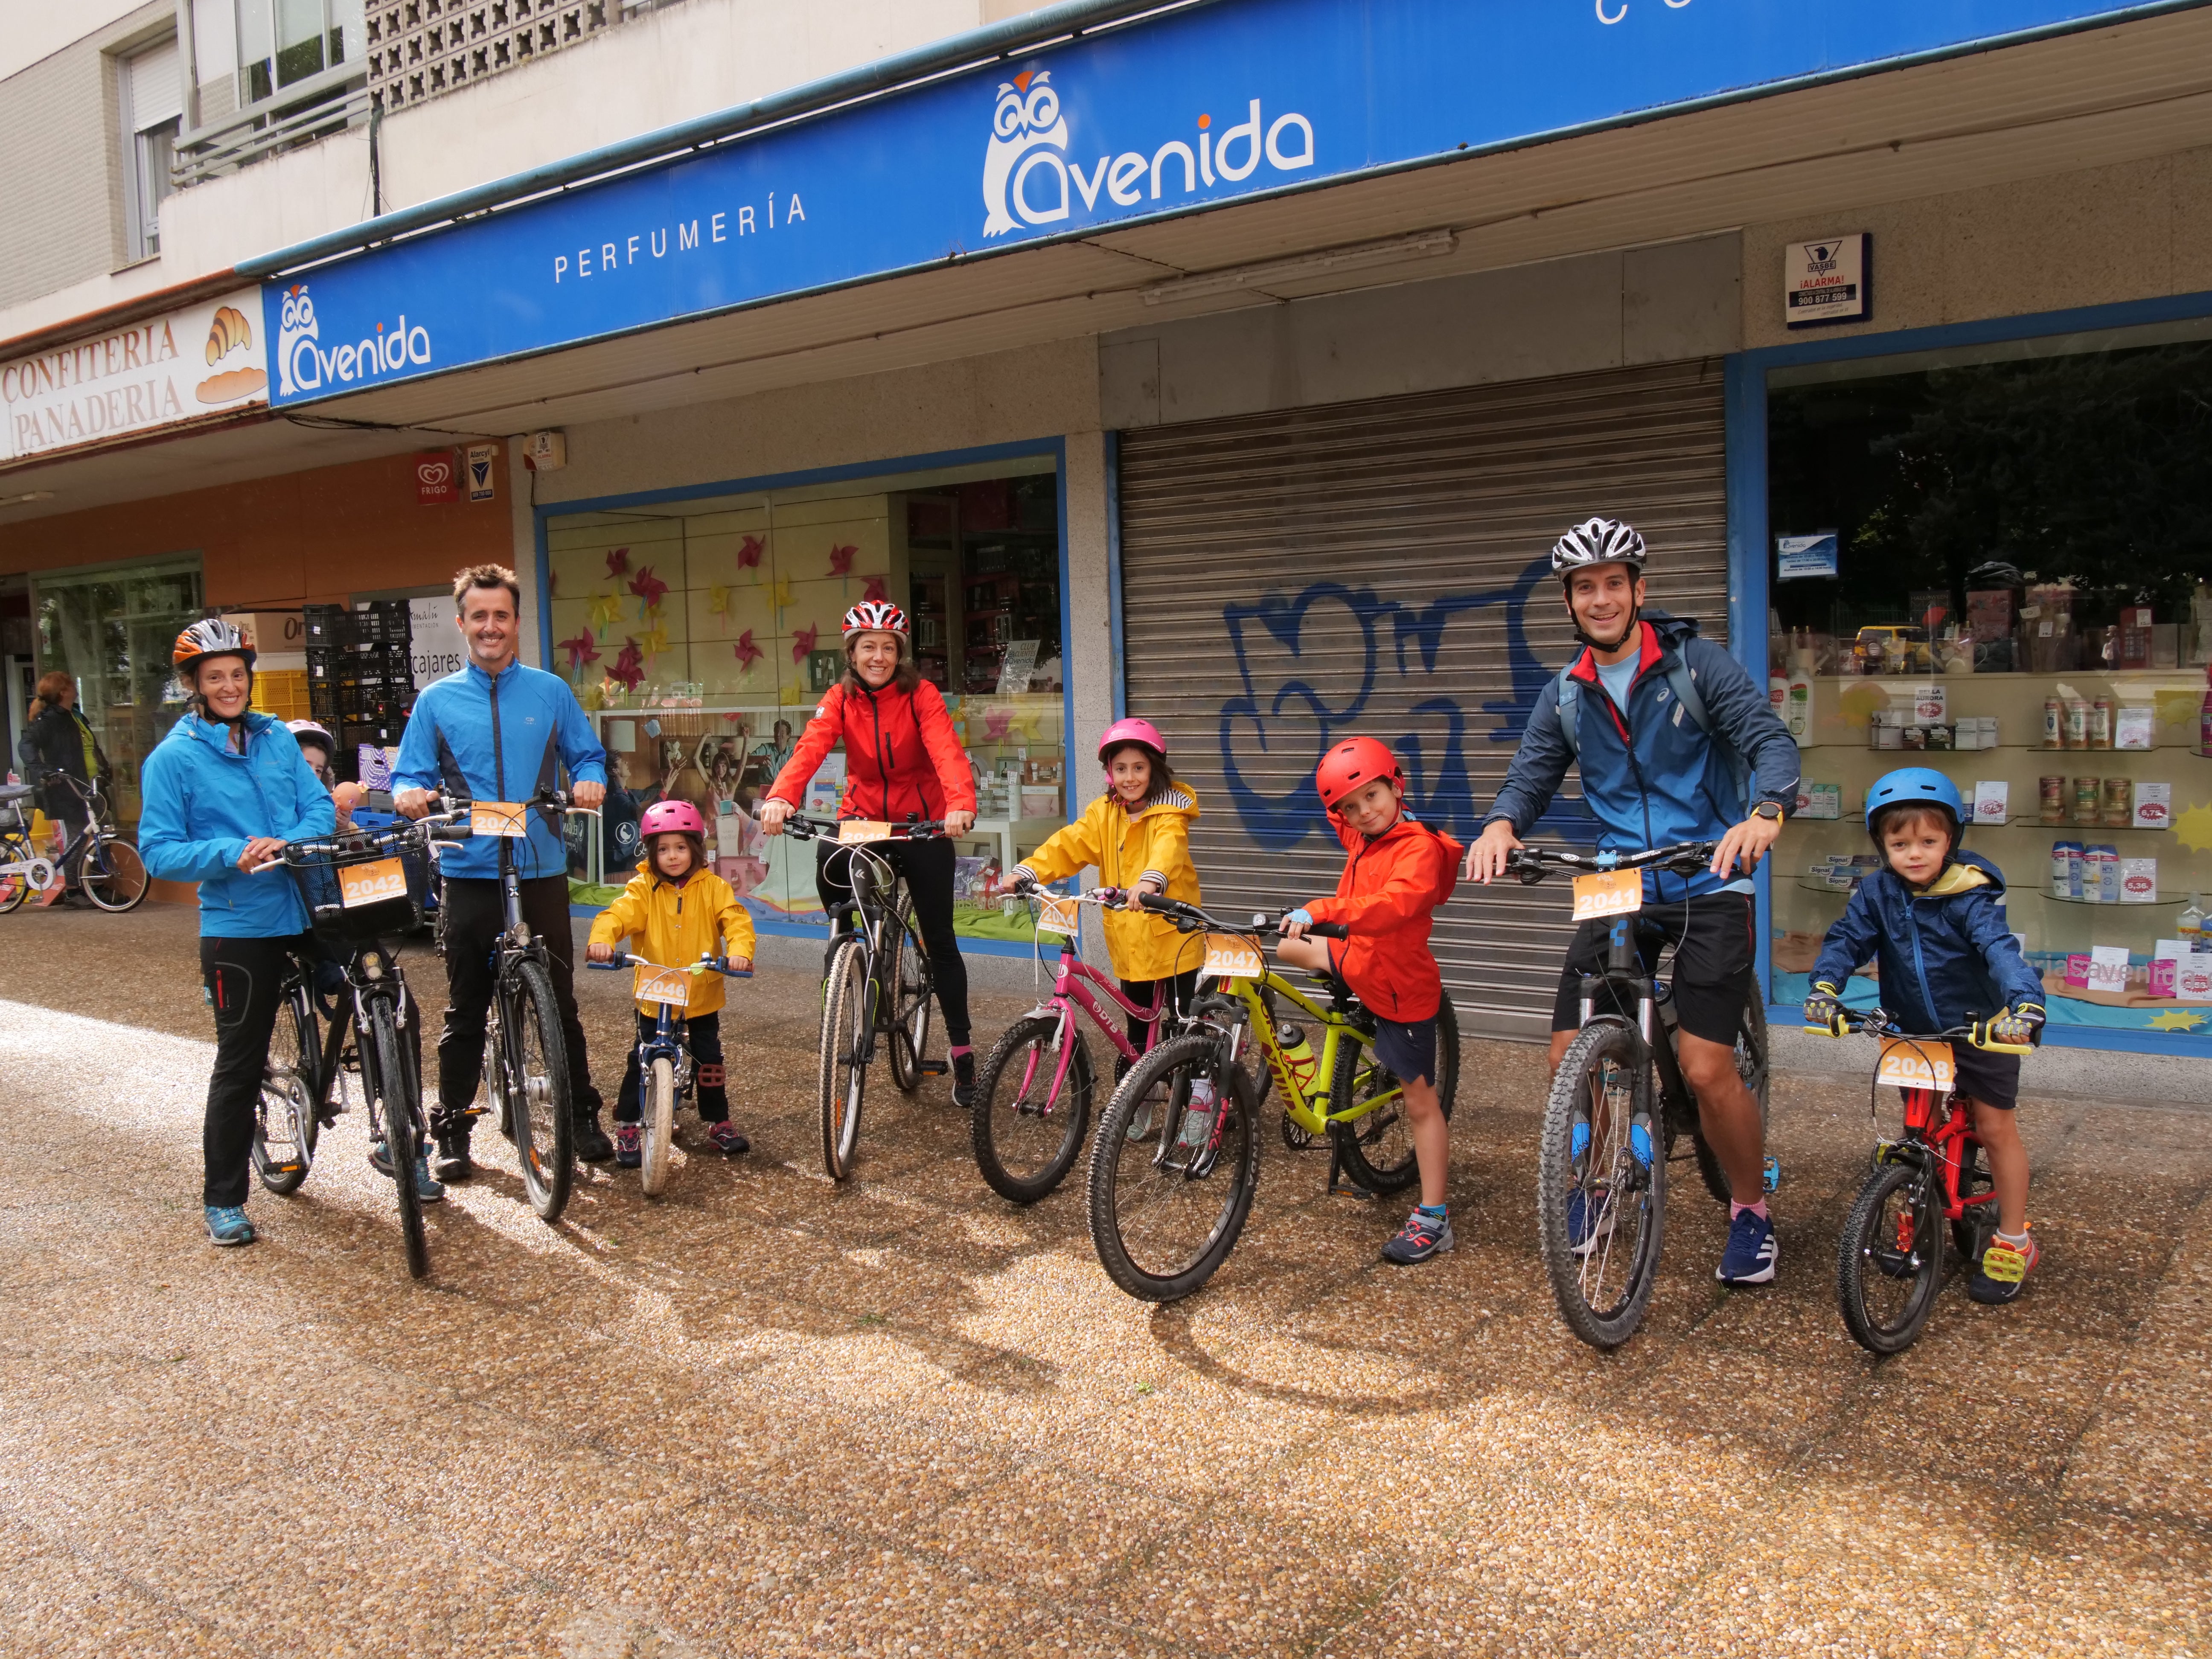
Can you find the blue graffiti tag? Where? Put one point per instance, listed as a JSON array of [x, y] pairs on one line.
[[1337, 631]]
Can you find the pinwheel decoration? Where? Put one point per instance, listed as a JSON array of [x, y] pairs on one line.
[[995, 723], [654, 642], [618, 563], [718, 601], [878, 590], [606, 611], [746, 651], [749, 552], [648, 588], [779, 595], [802, 642], [582, 650], [841, 559], [629, 667]]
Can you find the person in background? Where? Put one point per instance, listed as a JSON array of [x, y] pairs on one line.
[[318, 745], [57, 738]]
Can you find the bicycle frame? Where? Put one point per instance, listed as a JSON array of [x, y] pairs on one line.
[[1071, 989], [874, 885], [1310, 1110]]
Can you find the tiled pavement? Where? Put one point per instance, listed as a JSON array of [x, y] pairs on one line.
[[764, 1415]]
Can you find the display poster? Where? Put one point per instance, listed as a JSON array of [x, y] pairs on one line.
[[1797, 557], [438, 648]]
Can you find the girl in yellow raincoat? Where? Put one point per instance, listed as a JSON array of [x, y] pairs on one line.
[[1138, 835], [677, 910]]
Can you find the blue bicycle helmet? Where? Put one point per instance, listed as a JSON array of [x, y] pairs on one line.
[[1916, 785]]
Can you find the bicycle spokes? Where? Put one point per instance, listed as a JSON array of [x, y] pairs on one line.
[[1609, 1205]]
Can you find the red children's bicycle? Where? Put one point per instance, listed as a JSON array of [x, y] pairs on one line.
[[1889, 1263]]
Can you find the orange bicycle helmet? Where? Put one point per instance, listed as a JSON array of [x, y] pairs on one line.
[[1352, 763]]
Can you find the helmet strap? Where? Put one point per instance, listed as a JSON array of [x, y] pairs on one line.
[[1635, 615]]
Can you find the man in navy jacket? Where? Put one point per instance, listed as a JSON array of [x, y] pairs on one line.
[[498, 730], [1671, 736]]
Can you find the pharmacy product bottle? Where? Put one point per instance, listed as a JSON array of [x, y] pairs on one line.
[[2188, 926], [1799, 714]]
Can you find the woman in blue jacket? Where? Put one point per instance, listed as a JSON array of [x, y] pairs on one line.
[[223, 793]]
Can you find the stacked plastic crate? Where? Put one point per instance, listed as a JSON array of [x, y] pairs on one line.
[[361, 676]]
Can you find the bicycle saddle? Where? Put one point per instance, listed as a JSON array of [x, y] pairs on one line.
[[13, 792]]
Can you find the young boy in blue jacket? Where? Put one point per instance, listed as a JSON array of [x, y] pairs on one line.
[[1934, 922]]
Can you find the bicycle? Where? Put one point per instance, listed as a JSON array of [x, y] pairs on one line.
[[1050, 1105], [664, 1061], [1935, 1174], [360, 889], [879, 981], [1188, 1112], [1598, 1151], [104, 867]]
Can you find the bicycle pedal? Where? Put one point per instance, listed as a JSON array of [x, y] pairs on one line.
[[937, 1068], [1771, 1174], [1343, 1186]]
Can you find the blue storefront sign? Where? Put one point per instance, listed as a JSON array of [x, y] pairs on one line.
[[1223, 102]]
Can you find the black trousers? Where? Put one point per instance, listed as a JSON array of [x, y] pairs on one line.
[[1182, 988], [703, 1036], [927, 867], [243, 977], [473, 918]]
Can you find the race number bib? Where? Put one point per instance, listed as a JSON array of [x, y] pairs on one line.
[[1612, 893], [669, 985], [859, 832], [1917, 1066], [1229, 957], [1057, 915], [503, 818], [371, 883]]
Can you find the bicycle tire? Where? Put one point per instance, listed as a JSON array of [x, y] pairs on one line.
[[843, 1077], [542, 1115], [1357, 1140], [1132, 1180], [396, 1113], [914, 982], [1875, 1257], [14, 889], [287, 1091], [1613, 1057], [659, 1126], [118, 881], [1005, 1130], [1752, 1066]]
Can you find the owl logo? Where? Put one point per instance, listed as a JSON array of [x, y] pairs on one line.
[[297, 367], [1028, 131]]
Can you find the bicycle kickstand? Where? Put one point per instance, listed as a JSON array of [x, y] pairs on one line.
[[1341, 1185]]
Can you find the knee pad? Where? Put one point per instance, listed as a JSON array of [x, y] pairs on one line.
[[710, 1077]]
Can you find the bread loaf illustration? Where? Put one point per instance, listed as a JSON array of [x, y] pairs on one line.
[[230, 330]]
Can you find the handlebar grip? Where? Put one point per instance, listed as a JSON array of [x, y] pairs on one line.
[[605, 967], [1329, 930]]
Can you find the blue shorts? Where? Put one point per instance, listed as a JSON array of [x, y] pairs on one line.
[[1409, 1050]]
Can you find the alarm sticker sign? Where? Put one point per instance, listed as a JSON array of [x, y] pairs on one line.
[[1826, 282]]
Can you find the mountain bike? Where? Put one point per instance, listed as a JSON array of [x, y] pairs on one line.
[[104, 867], [304, 1068], [1608, 1131], [362, 889], [1034, 1090], [1175, 1159], [1889, 1261], [879, 981], [664, 1062]]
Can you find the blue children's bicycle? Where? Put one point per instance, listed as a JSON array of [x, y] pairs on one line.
[[663, 1064]]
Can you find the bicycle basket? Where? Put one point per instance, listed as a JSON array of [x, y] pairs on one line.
[[378, 909]]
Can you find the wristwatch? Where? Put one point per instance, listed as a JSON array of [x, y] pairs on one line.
[[1768, 809]]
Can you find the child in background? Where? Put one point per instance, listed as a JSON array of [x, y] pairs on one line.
[[318, 745], [1138, 835], [677, 910], [1934, 921], [1397, 873]]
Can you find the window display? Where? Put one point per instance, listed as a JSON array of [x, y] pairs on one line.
[[2017, 594]]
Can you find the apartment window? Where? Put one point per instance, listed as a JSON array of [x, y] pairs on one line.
[[153, 101], [282, 43]]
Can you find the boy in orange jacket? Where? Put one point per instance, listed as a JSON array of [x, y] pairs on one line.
[[1397, 873]]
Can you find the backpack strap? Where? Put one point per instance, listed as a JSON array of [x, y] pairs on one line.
[[1684, 685], [1571, 699]]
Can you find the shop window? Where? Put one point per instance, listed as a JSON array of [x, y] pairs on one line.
[[1997, 569], [701, 636]]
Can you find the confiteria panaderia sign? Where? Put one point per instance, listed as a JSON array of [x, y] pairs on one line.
[[1202, 107], [184, 365]]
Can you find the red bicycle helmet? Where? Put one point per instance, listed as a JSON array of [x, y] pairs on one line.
[[1352, 763], [671, 818], [1121, 732], [874, 617]]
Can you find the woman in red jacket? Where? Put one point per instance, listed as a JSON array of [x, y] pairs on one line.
[[902, 760]]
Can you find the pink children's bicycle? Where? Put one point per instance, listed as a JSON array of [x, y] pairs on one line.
[[1034, 1092]]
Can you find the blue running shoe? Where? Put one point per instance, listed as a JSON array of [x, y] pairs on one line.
[[227, 1224], [427, 1187], [1421, 1237], [1589, 1219], [1752, 1251]]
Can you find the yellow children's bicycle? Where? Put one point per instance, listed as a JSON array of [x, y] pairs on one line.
[[1175, 1159]]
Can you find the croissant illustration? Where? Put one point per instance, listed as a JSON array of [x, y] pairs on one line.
[[230, 330]]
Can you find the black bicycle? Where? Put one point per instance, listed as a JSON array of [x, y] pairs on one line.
[[103, 866], [1610, 1126], [879, 981]]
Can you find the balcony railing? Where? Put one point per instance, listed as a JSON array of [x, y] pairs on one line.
[[306, 110]]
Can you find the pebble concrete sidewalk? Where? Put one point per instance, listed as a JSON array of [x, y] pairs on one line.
[[764, 1415]]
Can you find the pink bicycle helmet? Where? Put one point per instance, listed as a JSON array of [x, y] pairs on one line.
[[671, 818], [1123, 731]]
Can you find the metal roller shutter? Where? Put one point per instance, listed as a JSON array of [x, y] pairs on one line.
[[1290, 579]]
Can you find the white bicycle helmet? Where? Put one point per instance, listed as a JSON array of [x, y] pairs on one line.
[[211, 636], [874, 617], [313, 731], [1597, 541]]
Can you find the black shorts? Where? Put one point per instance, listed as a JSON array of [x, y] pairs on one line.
[[1711, 970], [1993, 1080], [1408, 1049]]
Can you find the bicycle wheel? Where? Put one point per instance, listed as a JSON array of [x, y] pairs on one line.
[[394, 1106], [907, 1018], [1377, 1151], [1026, 1134], [1751, 1067], [659, 1128], [846, 1028], [1889, 1262], [535, 1102], [283, 1143], [1165, 1215], [112, 874], [1598, 1165], [16, 887]]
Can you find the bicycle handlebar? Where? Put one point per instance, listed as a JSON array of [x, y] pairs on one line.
[[622, 959], [807, 829], [1188, 918], [1880, 1023], [361, 841], [1687, 858]]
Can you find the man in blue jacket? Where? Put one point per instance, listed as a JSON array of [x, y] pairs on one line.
[[498, 730], [1671, 736]]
